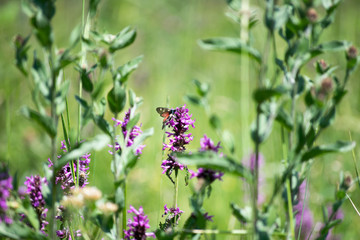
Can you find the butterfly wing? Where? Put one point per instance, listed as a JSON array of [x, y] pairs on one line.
[[164, 112]]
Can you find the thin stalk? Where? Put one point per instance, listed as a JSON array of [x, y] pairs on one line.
[[354, 160], [53, 144], [176, 189], [244, 81], [256, 175], [124, 211], [288, 187]]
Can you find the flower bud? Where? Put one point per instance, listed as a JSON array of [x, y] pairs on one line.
[[326, 85], [323, 64], [352, 52], [312, 15]]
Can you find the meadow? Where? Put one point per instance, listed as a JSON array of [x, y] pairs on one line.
[[168, 34]]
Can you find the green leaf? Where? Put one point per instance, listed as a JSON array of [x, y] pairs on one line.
[[334, 46], [119, 195], [193, 99], [278, 18], [266, 119], [262, 94], [43, 120], [231, 45], [215, 122], [234, 4], [124, 71], [202, 88], [123, 39], [93, 4], [214, 161], [243, 215], [133, 121], [116, 99], [328, 118], [284, 119], [103, 125], [42, 29], [228, 140], [339, 146], [96, 144], [132, 98], [21, 53]]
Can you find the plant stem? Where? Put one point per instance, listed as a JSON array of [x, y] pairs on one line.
[[124, 211], [53, 144], [176, 188], [244, 81]]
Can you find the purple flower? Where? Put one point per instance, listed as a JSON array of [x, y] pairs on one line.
[[179, 123], [173, 213], [208, 145], [65, 234], [135, 131], [208, 174], [5, 188], [171, 164], [34, 186], [64, 175], [208, 217], [250, 163], [138, 225]]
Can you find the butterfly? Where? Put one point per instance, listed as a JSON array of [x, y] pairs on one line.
[[166, 113]]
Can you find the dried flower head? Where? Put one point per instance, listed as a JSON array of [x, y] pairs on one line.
[[107, 207], [91, 193], [312, 15], [352, 52]]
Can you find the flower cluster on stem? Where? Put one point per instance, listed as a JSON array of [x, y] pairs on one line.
[[172, 217], [34, 187], [64, 175], [179, 123], [129, 134], [138, 225], [5, 188], [208, 174]]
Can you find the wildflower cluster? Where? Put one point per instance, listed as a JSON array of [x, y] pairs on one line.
[[138, 225], [208, 174], [172, 217], [178, 138], [130, 135], [5, 188], [34, 187], [64, 175]]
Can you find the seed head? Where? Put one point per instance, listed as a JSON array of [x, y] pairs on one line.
[[312, 15]]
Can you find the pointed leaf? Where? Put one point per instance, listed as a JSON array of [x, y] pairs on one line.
[[231, 45], [339, 146]]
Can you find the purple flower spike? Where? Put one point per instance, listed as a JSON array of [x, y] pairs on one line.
[[138, 225], [5, 188], [208, 145], [179, 123], [34, 186], [64, 175], [208, 174], [173, 213], [135, 131], [170, 164], [208, 217]]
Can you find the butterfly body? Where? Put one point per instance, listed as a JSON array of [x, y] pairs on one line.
[[166, 113]]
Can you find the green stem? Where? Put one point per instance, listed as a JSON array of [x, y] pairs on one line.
[[176, 188], [124, 211], [288, 187], [53, 144]]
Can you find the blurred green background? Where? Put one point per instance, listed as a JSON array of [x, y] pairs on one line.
[[167, 36]]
